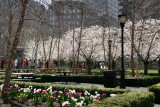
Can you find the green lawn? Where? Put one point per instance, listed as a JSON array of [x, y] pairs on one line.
[[96, 70], [149, 71]]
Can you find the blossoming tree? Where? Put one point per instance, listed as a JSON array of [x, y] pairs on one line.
[[147, 39]]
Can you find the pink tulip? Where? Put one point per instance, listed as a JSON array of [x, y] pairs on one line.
[[52, 97], [96, 100]]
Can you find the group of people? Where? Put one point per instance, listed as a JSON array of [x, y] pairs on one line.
[[19, 64], [26, 64]]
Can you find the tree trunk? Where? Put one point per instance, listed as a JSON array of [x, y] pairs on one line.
[[159, 66], [88, 66], [9, 38], [104, 49], [146, 63], [73, 54], [113, 65], [36, 51], [73, 38], [138, 53], [50, 51], [132, 39], [44, 51], [59, 38], [80, 36], [13, 50]]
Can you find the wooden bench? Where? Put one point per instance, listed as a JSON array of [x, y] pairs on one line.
[[28, 75]]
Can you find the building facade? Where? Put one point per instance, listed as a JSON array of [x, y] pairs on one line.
[[67, 14], [144, 8]]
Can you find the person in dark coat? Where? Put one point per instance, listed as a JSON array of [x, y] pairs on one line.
[[2, 63], [47, 64]]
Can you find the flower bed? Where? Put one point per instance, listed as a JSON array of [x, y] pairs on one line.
[[124, 98], [63, 98]]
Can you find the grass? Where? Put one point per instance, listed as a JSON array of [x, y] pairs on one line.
[[149, 71], [96, 70]]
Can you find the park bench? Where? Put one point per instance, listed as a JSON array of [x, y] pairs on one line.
[[23, 76], [28, 75], [64, 76]]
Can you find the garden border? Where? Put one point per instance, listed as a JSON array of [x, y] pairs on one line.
[[125, 97]]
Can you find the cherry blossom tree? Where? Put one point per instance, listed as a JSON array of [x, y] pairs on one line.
[[92, 47], [148, 32]]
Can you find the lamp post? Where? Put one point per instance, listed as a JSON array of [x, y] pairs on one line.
[[122, 20], [109, 62]]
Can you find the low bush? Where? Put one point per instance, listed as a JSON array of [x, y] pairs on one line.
[[79, 79], [63, 87], [156, 90], [141, 81], [131, 99], [124, 98]]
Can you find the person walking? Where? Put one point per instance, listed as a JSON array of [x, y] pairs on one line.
[[47, 64], [29, 64], [39, 63], [16, 63], [2, 63], [26, 64]]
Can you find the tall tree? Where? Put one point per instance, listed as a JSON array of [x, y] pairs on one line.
[[14, 47]]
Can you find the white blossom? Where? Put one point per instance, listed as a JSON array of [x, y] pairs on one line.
[[113, 95], [64, 103]]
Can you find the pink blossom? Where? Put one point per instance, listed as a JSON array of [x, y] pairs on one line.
[[78, 94], [44, 91], [96, 100], [52, 97], [37, 92], [11, 87], [5, 92], [68, 93], [54, 92], [103, 95], [22, 96], [18, 87]]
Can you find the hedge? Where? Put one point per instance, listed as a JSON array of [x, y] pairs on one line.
[[131, 99], [64, 87], [124, 98], [141, 82], [79, 79], [156, 90]]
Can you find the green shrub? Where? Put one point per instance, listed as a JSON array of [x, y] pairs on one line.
[[62, 87], [79, 79], [142, 82], [124, 98], [130, 99], [156, 89]]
